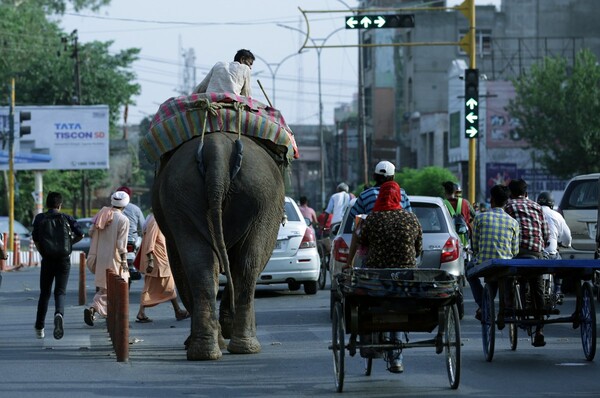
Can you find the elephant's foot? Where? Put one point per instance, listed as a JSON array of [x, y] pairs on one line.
[[246, 345], [200, 351]]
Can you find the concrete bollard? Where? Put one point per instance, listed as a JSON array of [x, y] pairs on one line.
[[122, 321], [82, 292], [16, 250]]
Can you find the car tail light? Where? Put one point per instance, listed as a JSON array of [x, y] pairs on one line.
[[450, 251], [340, 250], [309, 239], [130, 248]]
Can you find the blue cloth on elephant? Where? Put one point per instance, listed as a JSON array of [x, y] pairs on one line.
[[182, 118]]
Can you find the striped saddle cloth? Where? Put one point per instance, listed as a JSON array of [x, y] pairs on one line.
[[182, 118]]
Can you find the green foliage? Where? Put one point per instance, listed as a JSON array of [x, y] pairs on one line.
[[558, 108], [427, 181], [40, 56], [59, 6]]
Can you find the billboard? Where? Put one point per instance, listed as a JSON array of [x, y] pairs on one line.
[[60, 138]]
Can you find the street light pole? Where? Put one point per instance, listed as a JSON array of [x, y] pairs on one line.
[[274, 71], [319, 48]]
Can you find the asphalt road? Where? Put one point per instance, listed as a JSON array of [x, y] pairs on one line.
[[295, 332]]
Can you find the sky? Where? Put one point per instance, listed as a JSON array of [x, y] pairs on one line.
[[215, 30]]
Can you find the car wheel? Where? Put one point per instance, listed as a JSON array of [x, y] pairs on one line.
[[294, 286], [310, 287]]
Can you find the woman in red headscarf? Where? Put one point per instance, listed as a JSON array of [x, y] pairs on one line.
[[394, 236]]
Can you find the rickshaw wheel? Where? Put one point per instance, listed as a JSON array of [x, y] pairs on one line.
[[368, 366], [452, 344], [587, 322], [338, 335], [488, 326]]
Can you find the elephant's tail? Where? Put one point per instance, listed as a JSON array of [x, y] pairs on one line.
[[217, 183]]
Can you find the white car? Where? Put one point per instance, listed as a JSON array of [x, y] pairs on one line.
[[295, 260]]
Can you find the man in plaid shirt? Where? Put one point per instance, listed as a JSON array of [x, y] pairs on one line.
[[534, 235], [495, 235]]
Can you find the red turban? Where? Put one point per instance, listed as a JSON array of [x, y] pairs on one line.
[[389, 197]]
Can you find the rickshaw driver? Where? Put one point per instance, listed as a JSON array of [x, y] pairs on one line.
[[394, 239], [533, 237], [495, 236]]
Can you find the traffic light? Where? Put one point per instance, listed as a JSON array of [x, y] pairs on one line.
[[400, 21], [24, 129], [471, 103]]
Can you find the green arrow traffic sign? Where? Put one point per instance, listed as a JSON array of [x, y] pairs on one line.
[[380, 21], [471, 103]]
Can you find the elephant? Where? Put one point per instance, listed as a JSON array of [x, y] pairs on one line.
[[219, 214]]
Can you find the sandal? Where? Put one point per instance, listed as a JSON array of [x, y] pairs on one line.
[[143, 319], [181, 315], [88, 316]]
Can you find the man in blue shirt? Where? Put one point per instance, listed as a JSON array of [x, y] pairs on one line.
[[384, 171]]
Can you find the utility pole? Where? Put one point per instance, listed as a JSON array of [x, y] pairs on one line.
[[76, 100], [11, 165]]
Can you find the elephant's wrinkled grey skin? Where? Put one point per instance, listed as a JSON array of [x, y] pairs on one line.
[[200, 215]]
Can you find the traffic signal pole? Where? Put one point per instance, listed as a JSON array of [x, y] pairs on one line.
[[472, 64]]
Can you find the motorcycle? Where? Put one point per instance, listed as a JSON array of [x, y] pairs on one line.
[[132, 249]]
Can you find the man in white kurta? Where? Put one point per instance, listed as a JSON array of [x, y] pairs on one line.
[[109, 246], [229, 77]]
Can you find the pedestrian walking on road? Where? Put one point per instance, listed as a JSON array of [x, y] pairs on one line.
[[108, 250], [53, 235], [159, 286]]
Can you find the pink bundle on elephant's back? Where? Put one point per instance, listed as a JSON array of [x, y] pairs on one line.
[[182, 118]]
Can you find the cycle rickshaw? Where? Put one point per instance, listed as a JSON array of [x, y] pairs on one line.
[[521, 315], [378, 301]]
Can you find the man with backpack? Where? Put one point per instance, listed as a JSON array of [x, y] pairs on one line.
[[54, 234]]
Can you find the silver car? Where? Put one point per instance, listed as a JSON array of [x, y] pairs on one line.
[[295, 260], [441, 245], [579, 207]]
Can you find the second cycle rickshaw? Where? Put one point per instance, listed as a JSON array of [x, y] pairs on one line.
[[510, 275]]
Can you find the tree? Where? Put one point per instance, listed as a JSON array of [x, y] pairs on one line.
[[427, 181], [39, 55], [558, 109]]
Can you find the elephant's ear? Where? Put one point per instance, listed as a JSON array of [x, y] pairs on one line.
[[199, 159]]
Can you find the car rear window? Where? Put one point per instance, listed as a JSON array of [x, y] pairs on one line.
[[431, 217], [290, 212], [582, 194]]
